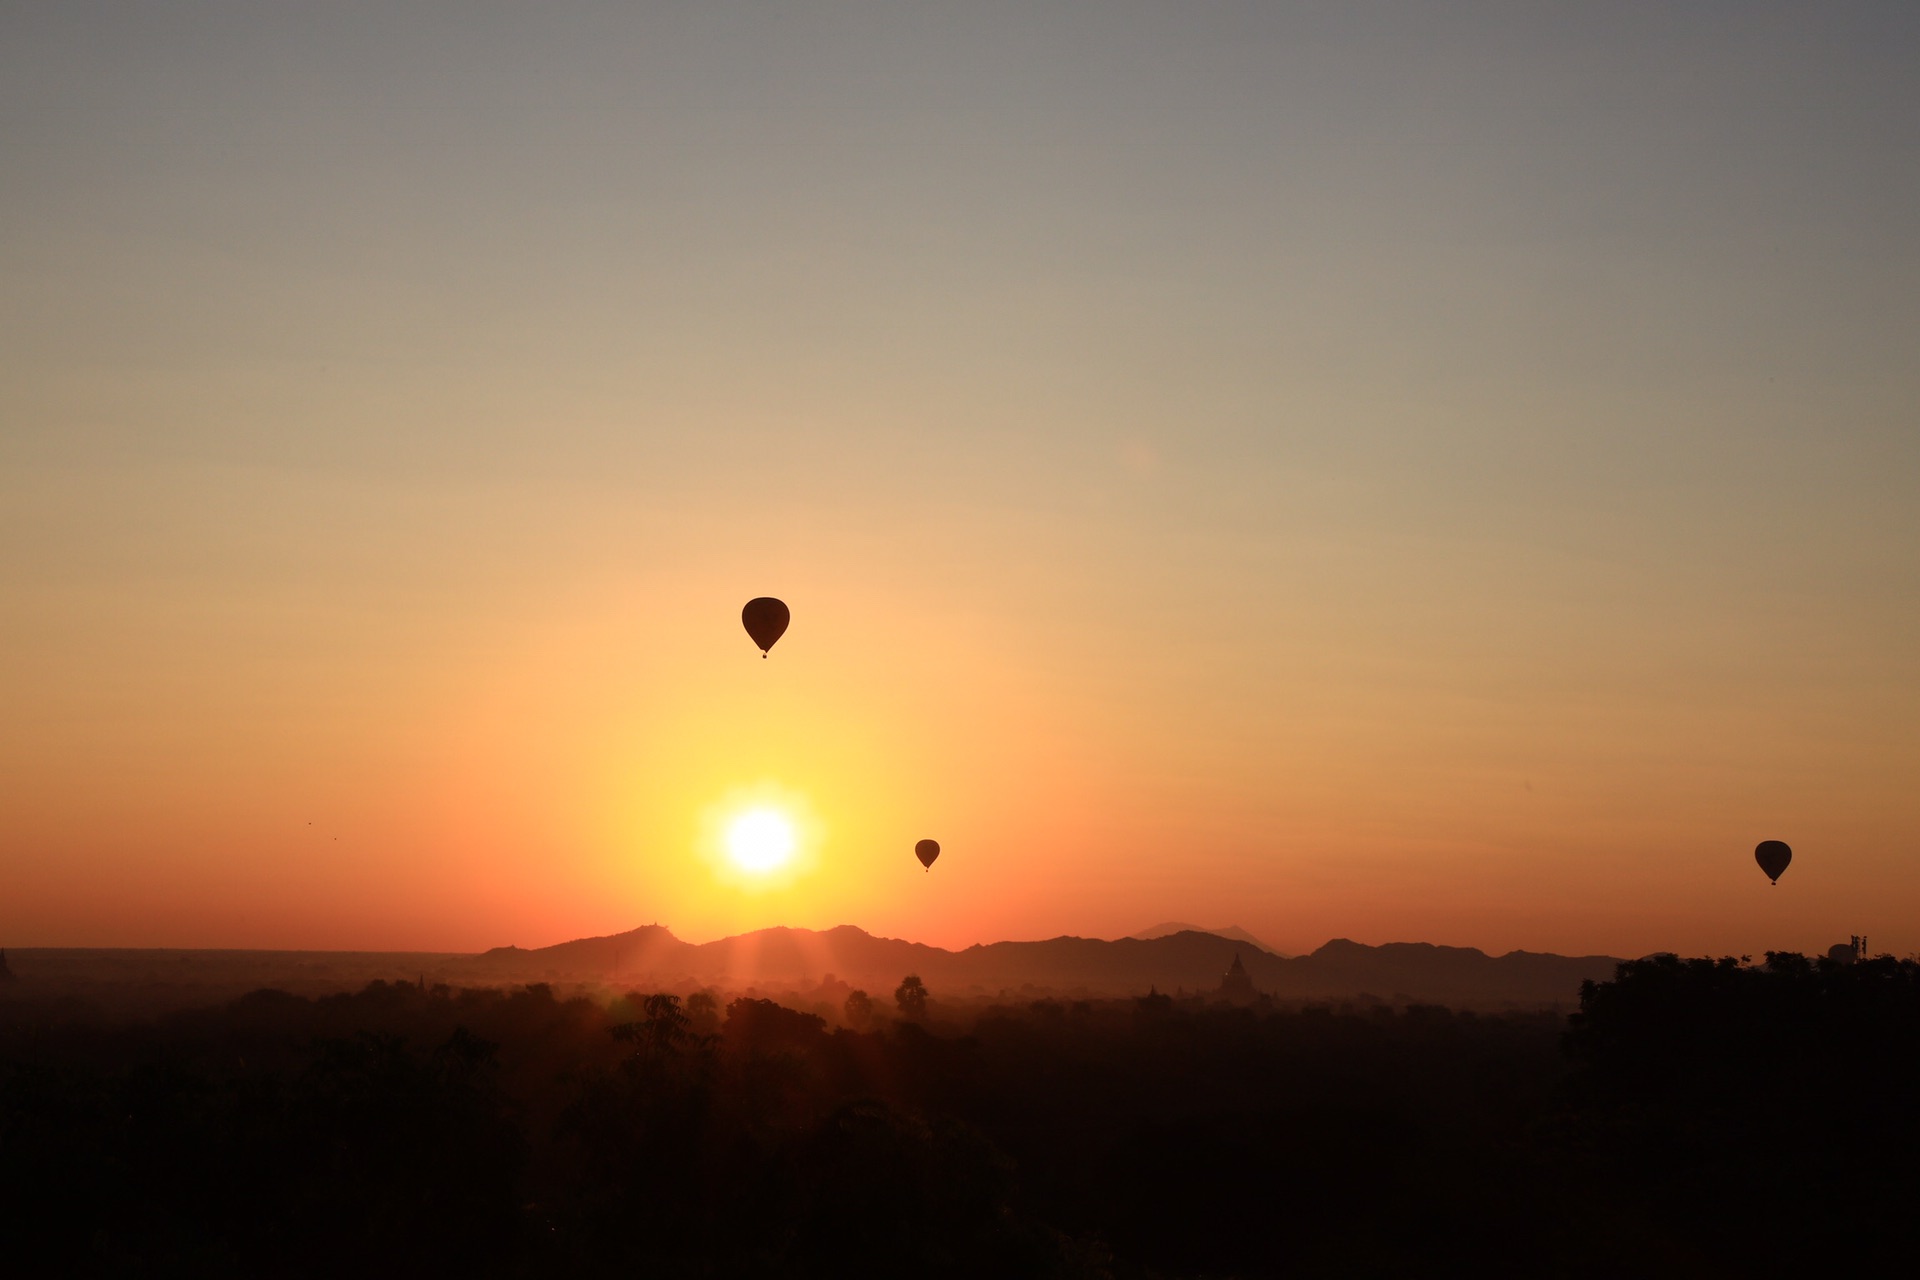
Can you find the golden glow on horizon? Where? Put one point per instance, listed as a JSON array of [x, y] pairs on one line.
[[760, 840]]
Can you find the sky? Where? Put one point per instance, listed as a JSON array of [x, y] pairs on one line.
[[1385, 471]]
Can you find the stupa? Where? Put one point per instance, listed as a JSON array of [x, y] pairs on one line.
[[1235, 985]]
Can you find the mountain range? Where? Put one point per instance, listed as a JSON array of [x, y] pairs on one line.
[[1232, 931], [1187, 960]]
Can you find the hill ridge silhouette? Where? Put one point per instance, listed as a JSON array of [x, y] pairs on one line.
[[1191, 960], [1232, 932]]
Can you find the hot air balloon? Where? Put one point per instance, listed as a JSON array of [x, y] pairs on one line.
[[765, 620], [1773, 857], [927, 851]]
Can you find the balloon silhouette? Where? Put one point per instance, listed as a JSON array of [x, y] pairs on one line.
[[1773, 857], [765, 620], [927, 851]]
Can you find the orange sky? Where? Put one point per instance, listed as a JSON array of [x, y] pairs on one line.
[[1445, 479]]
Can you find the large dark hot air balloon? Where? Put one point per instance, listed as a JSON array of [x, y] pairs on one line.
[[927, 851], [1773, 857], [765, 620]]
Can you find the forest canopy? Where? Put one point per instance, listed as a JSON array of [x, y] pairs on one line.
[[509, 1132]]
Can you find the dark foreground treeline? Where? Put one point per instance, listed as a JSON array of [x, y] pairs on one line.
[[1699, 1118]]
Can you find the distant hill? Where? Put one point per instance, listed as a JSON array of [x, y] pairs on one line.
[[151, 980], [1190, 960], [1232, 931]]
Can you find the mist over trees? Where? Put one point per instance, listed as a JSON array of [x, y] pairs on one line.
[[1701, 1117]]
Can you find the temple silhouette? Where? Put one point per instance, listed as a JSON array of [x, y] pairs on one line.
[[1854, 948], [1235, 986]]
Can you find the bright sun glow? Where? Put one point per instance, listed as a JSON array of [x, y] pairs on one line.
[[760, 840]]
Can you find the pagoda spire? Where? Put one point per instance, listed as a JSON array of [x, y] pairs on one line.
[[1236, 985]]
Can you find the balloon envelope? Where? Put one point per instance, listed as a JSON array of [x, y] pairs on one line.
[[1773, 857], [765, 620], [927, 851]]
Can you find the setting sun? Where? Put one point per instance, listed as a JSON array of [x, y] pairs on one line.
[[760, 840]]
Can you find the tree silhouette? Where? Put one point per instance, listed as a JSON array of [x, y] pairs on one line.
[[762, 1025], [703, 1013], [911, 996], [858, 1010], [1697, 1072], [663, 1028]]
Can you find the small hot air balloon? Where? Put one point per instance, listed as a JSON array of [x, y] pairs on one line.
[[765, 620], [927, 851], [1773, 857]]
